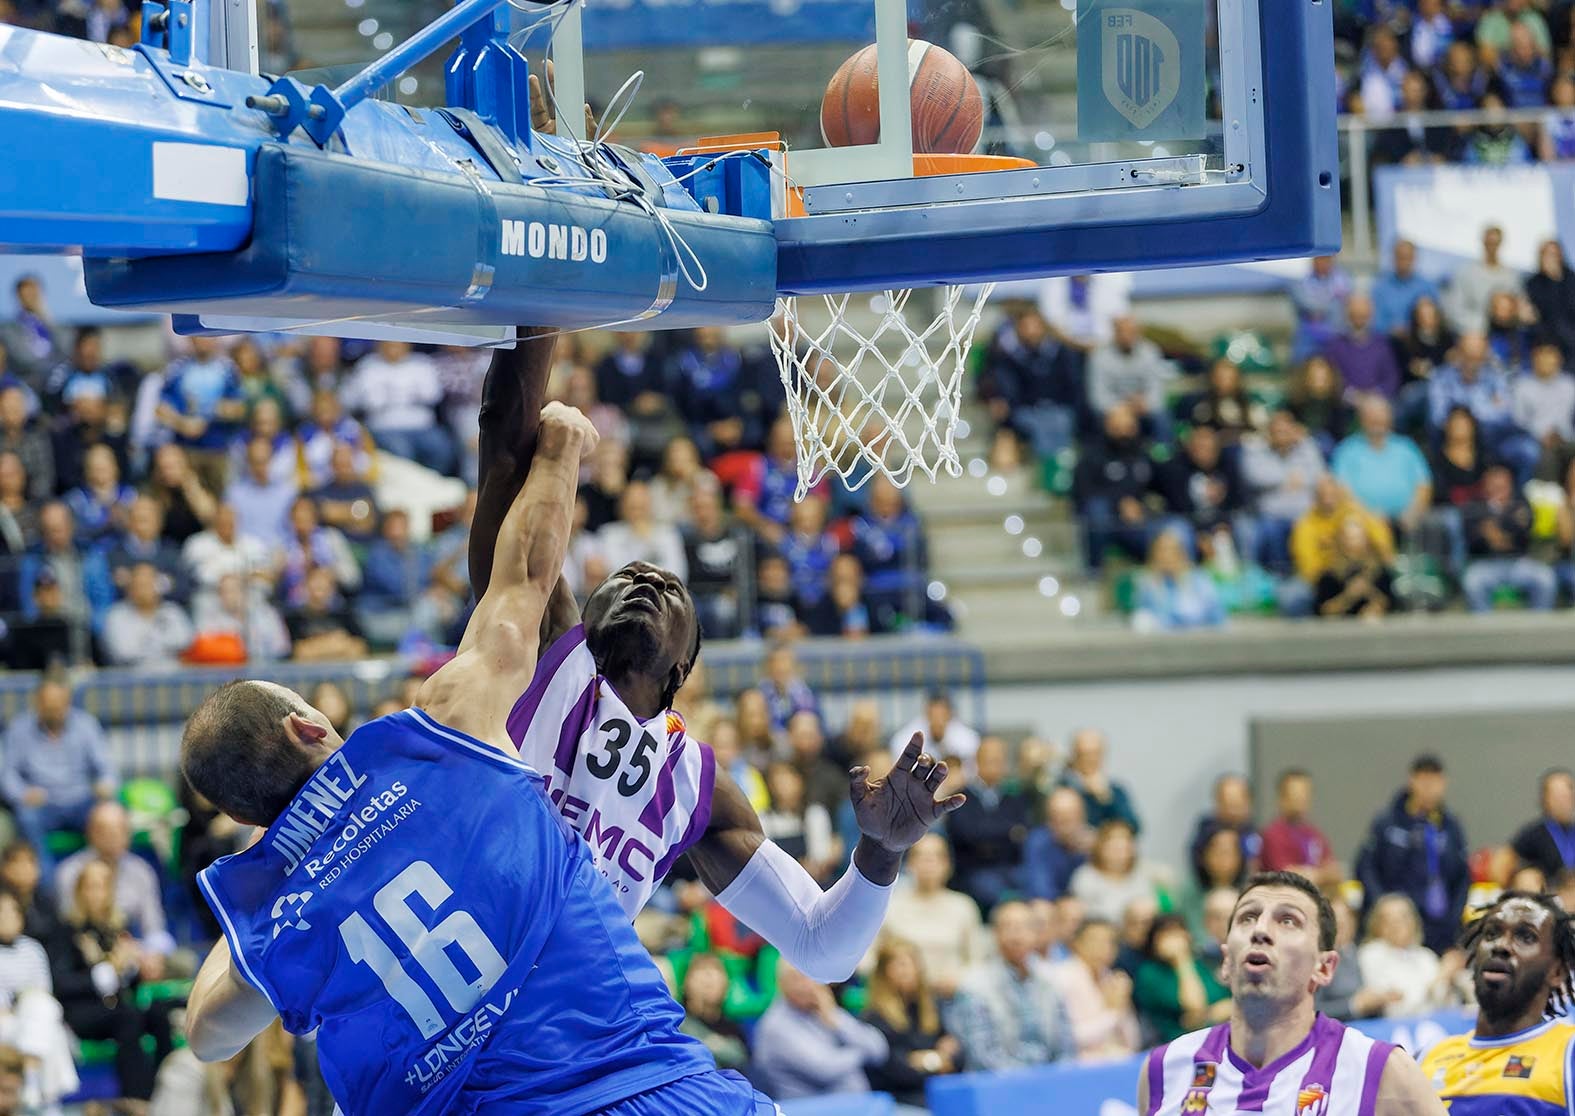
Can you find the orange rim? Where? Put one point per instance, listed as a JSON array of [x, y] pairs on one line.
[[929, 166]]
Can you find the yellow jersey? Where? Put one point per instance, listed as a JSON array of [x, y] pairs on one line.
[[1530, 1073]]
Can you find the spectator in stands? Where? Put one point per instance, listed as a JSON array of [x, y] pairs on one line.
[[1524, 70], [1406, 139], [1114, 876], [1551, 293], [944, 924], [1543, 405], [86, 371], [809, 550], [783, 686], [81, 574], [945, 734], [46, 637], [1281, 473], [1394, 960], [861, 734], [673, 488], [1473, 284], [1111, 488], [144, 543], [323, 627], [1097, 995], [987, 832], [763, 497], [1395, 292], [19, 526], [232, 608], [56, 765], [398, 391], [1496, 26], [1415, 846], [1172, 594], [316, 367], [1082, 309], [223, 550], [1317, 398], [96, 974], [579, 392], [188, 504], [1319, 300], [902, 1007], [1131, 370], [1292, 842], [1358, 582], [632, 378], [1460, 83], [1556, 139], [89, 422], [716, 394], [1226, 405], [824, 784], [1217, 865], [1477, 382], [1382, 69], [326, 430], [397, 595], [1498, 538], [1432, 30], [27, 438], [1136, 921], [888, 541], [1496, 142], [1385, 472], [845, 609], [718, 556], [1054, 851], [1509, 332], [1007, 1014], [31, 1019], [1425, 347], [1030, 384], [777, 612], [704, 993], [135, 886], [102, 503], [144, 629], [1203, 489], [311, 546], [802, 828], [266, 423], [1173, 990], [30, 338], [346, 502], [1361, 354], [1548, 842], [1346, 997], [202, 406], [1232, 809], [808, 1046], [1103, 797]]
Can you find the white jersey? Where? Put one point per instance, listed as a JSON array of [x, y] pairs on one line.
[[639, 792], [1334, 1071]]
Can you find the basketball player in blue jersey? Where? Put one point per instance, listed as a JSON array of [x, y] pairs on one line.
[[416, 900], [1520, 1059], [1277, 1055], [620, 765]]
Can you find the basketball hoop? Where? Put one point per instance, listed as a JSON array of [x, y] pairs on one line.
[[885, 399]]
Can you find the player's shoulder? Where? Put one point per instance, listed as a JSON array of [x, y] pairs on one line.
[[1446, 1051]]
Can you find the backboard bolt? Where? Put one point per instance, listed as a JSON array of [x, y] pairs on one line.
[[848, 196], [959, 187], [197, 82]]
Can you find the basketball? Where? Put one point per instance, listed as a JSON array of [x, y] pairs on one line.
[[948, 111]]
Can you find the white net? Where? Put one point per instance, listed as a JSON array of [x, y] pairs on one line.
[[884, 397]]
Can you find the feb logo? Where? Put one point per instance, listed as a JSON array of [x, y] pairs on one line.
[[1141, 64], [288, 909], [1313, 1100]]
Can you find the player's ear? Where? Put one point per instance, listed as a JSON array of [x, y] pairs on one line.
[[303, 731], [1323, 973]]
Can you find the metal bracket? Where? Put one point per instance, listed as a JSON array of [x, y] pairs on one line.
[[167, 43], [291, 105]]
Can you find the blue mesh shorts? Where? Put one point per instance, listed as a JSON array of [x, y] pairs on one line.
[[724, 1093]]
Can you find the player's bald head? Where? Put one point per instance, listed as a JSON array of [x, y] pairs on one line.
[[250, 746]]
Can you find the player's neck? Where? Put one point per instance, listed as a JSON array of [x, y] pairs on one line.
[[1489, 1027], [1262, 1031], [642, 695]]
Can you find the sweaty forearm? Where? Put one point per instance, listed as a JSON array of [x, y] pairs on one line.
[[511, 402]]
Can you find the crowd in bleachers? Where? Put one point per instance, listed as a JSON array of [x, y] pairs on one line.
[[1420, 446]]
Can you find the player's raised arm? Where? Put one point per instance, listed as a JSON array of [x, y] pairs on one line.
[[497, 655], [823, 934]]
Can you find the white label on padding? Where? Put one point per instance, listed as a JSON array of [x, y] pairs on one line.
[[199, 172]]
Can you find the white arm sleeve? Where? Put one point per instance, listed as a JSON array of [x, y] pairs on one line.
[[823, 934]]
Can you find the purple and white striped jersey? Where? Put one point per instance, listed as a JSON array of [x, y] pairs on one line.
[[1334, 1071], [639, 792]]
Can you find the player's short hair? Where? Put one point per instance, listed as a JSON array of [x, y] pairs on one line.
[[1297, 882], [1427, 764], [1561, 997], [235, 752]]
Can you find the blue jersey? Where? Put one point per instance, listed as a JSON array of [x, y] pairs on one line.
[[422, 905]]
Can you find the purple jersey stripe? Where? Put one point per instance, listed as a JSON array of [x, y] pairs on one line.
[[1328, 1036], [1214, 1045], [700, 820], [1156, 1080], [574, 726], [524, 710], [662, 801], [1377, 1058]]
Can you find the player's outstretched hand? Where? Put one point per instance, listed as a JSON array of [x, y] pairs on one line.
[[542, 118], [899, 809]]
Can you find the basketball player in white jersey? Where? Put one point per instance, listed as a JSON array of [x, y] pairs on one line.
[[597, 723], [1278, 1056]]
